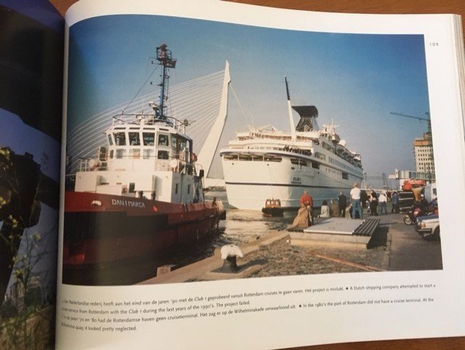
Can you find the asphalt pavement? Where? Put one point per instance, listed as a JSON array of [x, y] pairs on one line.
[[408, 250]]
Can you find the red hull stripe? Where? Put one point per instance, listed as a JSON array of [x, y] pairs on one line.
[[96, 202]]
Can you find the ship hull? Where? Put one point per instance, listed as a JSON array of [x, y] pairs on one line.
[[250, 183], [103, 231]]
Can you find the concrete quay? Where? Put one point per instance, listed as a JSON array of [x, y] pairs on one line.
[[210, 268], [393, 247]]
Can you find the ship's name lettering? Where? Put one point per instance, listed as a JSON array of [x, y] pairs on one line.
[[126, 203]]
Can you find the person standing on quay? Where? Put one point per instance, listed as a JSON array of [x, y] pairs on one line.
[[355, 197], [364, 199], [373, 203], [395, 202], [382, 199], [307, 201], [342, 199]]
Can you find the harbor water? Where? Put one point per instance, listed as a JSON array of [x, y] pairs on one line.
[[240, 226]]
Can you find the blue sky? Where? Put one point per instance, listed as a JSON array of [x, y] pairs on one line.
[[354, 79]]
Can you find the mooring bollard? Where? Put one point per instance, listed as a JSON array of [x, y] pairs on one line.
[[161, 270], [229, 254]]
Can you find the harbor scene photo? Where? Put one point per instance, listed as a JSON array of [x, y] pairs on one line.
[[200, 151]]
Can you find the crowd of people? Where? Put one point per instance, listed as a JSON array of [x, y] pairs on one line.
[[370, 202], [355, 204]]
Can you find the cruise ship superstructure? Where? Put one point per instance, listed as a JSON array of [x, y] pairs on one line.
[[264, 163]]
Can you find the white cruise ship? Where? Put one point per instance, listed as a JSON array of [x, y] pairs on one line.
[[265, 163]]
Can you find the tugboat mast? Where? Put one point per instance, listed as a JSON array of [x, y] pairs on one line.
[[165, 59]]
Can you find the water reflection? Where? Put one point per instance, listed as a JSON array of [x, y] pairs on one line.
[[243, 225]]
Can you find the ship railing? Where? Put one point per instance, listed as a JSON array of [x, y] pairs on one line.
[[305, 152], [146, 118]]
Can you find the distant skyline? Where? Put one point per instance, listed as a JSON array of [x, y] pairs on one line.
[[355, 80]]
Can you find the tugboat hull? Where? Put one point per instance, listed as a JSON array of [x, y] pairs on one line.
[[103, 231]]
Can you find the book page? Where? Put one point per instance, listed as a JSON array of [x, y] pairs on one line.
[[31, 79], [241, 170]]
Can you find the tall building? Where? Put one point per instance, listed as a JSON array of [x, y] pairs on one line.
[[424, 157]]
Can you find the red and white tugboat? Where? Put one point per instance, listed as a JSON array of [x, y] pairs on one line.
[[141, 196]]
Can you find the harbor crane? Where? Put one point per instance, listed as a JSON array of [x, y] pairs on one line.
[[430, 167], [428, 119]]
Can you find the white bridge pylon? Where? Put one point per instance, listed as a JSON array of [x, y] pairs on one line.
[[210, 145], [203, 101]]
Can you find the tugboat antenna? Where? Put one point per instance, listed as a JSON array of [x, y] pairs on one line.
[[166, 61]]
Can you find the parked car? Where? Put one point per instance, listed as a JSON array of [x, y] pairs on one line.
[[428, 226]]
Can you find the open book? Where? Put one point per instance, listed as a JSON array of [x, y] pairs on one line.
[[231, 176]]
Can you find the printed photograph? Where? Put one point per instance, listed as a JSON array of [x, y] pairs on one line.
[[202, 151], [31, 71]]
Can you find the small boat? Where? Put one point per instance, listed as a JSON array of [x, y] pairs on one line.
[[272, 208]]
